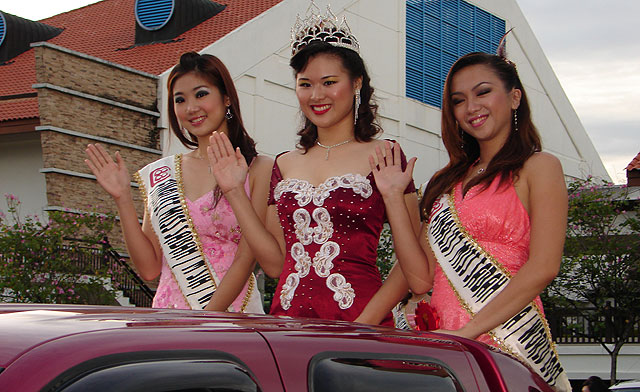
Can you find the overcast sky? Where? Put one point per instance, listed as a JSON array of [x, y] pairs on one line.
[[591, 44], [594, 49]]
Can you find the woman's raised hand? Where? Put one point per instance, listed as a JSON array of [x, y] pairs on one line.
[[112, 175], [389, 176], [228, 166]]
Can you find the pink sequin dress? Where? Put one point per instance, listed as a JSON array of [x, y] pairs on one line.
[[331, 233], [219, 234], [497, 220]]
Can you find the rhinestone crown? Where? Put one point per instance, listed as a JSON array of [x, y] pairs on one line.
[[318, 28]]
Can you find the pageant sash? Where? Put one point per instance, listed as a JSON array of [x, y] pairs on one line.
[[161, 186], [476, 278]]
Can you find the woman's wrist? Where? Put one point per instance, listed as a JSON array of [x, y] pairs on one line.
[[393, 197], [234, 192], [125, 199]]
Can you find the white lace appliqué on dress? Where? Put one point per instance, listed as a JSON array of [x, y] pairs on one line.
[[320, 234]]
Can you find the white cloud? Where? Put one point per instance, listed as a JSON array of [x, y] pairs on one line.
[[593, 48]]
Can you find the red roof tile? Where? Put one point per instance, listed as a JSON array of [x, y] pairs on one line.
[[634, 164], [103, 29], [17, 109]]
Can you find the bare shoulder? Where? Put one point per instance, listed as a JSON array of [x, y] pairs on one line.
[[542, 165], [260, 169], [542, 160], [262, 163], [292, 159]]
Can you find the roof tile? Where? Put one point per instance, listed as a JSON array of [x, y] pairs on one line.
[[107, 30], [634, 164], [18, 109]]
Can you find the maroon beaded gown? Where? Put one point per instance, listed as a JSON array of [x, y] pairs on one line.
[[331, 234]]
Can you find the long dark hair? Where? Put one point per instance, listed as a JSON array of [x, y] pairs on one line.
[[464, 150], [366, 127], [211, 69]]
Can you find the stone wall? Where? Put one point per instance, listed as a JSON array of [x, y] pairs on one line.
[[83, 100]]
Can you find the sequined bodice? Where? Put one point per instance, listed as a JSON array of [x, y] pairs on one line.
[[331, 233]]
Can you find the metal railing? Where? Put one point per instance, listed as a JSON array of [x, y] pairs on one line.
[[123, 277], [567, 328]]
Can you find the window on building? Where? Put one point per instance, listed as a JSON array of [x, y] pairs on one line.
[[438, 32]]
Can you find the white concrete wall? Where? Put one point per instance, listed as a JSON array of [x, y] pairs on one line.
[[583, 360], [20, 162], [257, 55]]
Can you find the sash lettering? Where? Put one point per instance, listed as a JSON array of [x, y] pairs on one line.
[[477, 279], [171, 223]]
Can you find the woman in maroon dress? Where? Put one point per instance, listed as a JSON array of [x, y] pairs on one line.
[[325, 212]]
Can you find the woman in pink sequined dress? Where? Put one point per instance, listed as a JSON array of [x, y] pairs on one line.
[[325, 212], [495, 217], [189, 235]]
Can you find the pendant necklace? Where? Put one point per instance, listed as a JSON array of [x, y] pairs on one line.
[[208, 163], [480, 170], [328, 148]]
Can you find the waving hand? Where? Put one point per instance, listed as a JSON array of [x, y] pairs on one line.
[[228, 166], [389, 176], [112, 175]]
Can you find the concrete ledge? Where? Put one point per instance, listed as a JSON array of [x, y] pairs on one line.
[[98, 138], [95, 98]]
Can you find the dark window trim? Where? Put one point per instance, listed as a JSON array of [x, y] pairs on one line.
[[75, 373], [375, 356]]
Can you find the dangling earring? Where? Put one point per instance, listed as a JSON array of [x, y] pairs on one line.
[[461, 136], [515, 120], [228, 115], [355, 120]]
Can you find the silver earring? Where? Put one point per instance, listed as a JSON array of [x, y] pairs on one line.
[[355, 120], [515, 120], [461, 137], [228, 115]]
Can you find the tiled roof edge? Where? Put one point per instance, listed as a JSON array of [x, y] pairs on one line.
[[634, 164], [92, 58]]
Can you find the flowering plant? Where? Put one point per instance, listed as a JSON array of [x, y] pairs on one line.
[[53, 260]]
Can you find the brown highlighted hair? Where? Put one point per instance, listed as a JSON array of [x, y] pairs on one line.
[[464, 150], [211, 69], [366, 127]]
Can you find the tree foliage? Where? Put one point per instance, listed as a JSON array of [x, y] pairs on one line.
[[599, 280], [386, 254], [49, 262]]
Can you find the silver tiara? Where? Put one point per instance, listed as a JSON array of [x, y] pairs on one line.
[[318, 28]]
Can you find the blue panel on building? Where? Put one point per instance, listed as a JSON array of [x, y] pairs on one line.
[[3, 28], [438, 32], [154, 14]]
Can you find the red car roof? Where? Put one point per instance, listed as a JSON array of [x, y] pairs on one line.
[[44, 341]]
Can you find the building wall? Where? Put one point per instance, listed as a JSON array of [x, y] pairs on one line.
[[86, 100], [585, 360], [20, 163], [266, 84]]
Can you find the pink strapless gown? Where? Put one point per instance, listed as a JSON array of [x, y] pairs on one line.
[[219, 234], [497, 220]]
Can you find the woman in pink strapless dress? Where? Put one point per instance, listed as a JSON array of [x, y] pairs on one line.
[[219, 234], [495, 217], [497, 220], [189, 235]]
